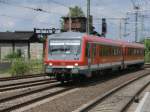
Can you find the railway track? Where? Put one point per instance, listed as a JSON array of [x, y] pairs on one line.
[[21, 77], [8, 87], [119, 98], [19, 99]]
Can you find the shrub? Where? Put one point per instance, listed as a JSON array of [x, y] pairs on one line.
[[13, 55], [19, 67], [36, 66], [147, 57]]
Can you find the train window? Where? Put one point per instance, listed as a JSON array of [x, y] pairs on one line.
[[138, 52], [100, 50], [130, 51], [105, 51], [134, 51], [94, 50], [87, 52], [120, 51], [126, 51], [114, 51], [141, 51]]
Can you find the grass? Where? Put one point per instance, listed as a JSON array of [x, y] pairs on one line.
[[23, 67], [36, 66]]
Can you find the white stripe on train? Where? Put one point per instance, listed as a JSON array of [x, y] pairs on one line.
[[103, 66]]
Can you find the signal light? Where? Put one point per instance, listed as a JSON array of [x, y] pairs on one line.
[[104, 26]]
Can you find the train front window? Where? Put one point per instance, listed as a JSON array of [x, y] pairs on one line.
[[67, 47]]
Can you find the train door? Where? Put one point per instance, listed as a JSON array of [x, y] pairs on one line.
[[125, 54], [89, 71], [89, 55]]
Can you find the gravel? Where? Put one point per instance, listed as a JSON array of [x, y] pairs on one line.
[[72, 101], [27, 98], [118, 100], [15, 92]]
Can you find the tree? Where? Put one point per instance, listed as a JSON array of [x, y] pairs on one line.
[[76, 12], [147, 50]]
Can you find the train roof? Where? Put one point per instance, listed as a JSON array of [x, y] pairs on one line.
[[92, 38], [114, 42], [69, 35], [105, 41], [131, 44]]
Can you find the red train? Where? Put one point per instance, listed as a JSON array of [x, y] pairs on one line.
[[71, 54]]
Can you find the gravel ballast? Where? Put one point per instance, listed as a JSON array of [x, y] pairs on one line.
[[72, 101]]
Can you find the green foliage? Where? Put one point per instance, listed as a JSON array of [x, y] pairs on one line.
[[76, 12], [36, 66], [147, 50], [24, 67], [19, 67], [13, 55], [147, 45], [62, 24], [147, 57]]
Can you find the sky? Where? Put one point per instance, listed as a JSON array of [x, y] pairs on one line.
[[16, 15]]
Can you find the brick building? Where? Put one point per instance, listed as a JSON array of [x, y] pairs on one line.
[[77, 24]]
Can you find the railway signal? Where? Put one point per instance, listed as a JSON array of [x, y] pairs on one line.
[[104, 27]]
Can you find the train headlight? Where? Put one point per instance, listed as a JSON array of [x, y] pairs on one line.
[[76, 64], [50, 64]]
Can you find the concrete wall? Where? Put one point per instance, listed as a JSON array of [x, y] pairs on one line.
[[5, 49], [36, 50], [23, 47]]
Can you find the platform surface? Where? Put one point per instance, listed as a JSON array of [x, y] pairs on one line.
[[144, 105]]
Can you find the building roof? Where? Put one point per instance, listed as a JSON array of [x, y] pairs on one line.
[[18, 36]]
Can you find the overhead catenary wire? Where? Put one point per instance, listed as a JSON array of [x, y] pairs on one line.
[[27, 7], [30, 8]]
